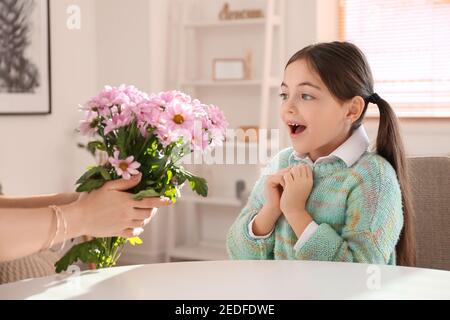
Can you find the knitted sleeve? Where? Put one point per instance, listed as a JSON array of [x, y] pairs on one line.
[[240, 244], [374, 219]]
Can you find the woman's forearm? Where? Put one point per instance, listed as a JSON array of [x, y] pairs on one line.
[[38, 201], [26, 231]]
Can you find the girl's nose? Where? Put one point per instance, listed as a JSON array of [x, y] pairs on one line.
[[290, 108]]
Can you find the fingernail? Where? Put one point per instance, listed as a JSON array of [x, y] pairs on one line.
[[165, 199]]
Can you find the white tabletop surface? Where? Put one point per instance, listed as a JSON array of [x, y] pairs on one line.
[[239, 280]]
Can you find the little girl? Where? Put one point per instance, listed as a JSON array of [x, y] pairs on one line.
[[327, 197]]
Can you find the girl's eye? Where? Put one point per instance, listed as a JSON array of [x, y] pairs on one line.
[[283, 96], [307, 97]]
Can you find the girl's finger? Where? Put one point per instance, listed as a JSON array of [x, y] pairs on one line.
[[276, 179], [288, 178], [295, 172], [284, 170], [309, 172], [302, 170]]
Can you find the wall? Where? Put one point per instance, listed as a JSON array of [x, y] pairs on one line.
[[38, 154]]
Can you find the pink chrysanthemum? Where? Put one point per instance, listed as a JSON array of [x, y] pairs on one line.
[[88, 126], [124, 168]]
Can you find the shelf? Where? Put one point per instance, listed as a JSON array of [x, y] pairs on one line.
[[231, 23], [273, 83], [199, 252], [230, 202], [225, 23], [221, 83]]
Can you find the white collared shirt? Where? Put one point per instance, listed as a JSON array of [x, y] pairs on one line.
[[349, 152]]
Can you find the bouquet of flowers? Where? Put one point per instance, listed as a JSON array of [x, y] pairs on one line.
[[146, 134]]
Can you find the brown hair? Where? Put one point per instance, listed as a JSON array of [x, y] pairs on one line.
[[346, 73]]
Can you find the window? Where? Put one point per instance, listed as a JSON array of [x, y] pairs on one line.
[[407, 43]]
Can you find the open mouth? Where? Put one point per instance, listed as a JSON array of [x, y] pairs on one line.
[[296, 128]]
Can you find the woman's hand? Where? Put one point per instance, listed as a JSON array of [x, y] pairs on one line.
[[66, 198], [109, 211]]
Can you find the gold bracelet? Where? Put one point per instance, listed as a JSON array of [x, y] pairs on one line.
[[65, 230], [60, 216], [55, 209]]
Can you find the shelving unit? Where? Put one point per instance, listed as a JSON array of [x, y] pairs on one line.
[[192, 233], [273, 83]]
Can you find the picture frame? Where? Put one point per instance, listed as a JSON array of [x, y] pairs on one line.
[[229, 69], [25, 69]]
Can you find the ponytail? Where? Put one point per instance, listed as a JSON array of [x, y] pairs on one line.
[[389, 145]]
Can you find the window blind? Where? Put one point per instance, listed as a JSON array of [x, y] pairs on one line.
[[407, 43]]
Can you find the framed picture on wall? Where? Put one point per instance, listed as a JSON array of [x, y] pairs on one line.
[[25, 86]]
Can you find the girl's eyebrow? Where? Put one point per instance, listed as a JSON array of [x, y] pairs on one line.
[[306, 83]]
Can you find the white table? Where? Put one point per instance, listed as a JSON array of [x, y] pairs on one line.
[[239, 280]]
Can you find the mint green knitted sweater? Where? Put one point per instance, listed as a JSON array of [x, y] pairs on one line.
[[358, 210]]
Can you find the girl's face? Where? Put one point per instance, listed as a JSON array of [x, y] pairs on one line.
[[316, 121]]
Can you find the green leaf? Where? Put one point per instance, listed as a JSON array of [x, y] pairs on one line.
[[90, 185], [133, 138], [146, 194], [169, 176], [86, 252], [171, 192], [103, 252], [145, 145], [121, 139], [94, 171], [95, 145], [199, 185]]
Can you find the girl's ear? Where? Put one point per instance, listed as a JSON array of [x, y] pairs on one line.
[[355, 109]]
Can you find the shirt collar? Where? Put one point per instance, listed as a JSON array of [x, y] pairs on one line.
[[349, 152]]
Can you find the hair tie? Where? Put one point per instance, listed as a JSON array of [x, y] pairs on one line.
[[373, 98]]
